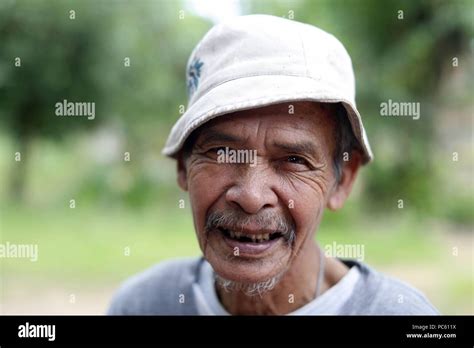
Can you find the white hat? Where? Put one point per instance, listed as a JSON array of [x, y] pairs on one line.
[[257, 60]]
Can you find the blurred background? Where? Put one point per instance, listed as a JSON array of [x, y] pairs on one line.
[[130, 58]]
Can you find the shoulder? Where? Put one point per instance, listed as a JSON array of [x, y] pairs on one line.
[[379, 294], [164, 289]]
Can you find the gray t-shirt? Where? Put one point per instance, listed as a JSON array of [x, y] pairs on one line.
[[330, 302], [185, 287]]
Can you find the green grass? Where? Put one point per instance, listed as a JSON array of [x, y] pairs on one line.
[[90, 244], [386, 239]]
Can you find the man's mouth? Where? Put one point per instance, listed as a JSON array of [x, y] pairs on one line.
[[251, 243], [243, 237]]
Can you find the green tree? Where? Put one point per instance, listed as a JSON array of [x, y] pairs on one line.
[[50, 52], [127, 58], [400, 51]]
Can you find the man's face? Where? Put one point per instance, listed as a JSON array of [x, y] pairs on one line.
[[252, 221]]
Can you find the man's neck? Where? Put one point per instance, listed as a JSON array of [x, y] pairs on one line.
[[296, 288]]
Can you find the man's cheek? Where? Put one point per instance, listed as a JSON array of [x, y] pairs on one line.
[[307, 214], [199, 217], [204, 170]]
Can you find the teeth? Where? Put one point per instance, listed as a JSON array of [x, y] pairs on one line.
[[254, 237]]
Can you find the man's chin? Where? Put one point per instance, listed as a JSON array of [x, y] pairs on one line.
[[259, 287], [230, 262]]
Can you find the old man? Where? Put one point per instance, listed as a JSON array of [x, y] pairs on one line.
[[271, 138]]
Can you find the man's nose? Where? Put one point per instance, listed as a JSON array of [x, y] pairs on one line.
[[253, 191]]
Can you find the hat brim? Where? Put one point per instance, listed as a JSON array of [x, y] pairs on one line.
[[257, 91]]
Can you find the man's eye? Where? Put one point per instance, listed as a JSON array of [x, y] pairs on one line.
[[215, 150], [295, 163], [296, 160]]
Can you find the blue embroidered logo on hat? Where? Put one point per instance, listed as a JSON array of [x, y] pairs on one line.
[[194, 73]]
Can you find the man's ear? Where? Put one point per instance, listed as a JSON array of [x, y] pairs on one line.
[[182, 175], [341, 190]]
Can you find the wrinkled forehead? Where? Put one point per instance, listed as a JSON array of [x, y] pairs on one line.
[[296, 116], [306, 122]]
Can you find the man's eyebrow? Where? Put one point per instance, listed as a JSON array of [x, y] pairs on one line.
[[211, 135], [305, 147]]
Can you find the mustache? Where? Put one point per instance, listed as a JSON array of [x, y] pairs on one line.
[[237, 220]]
